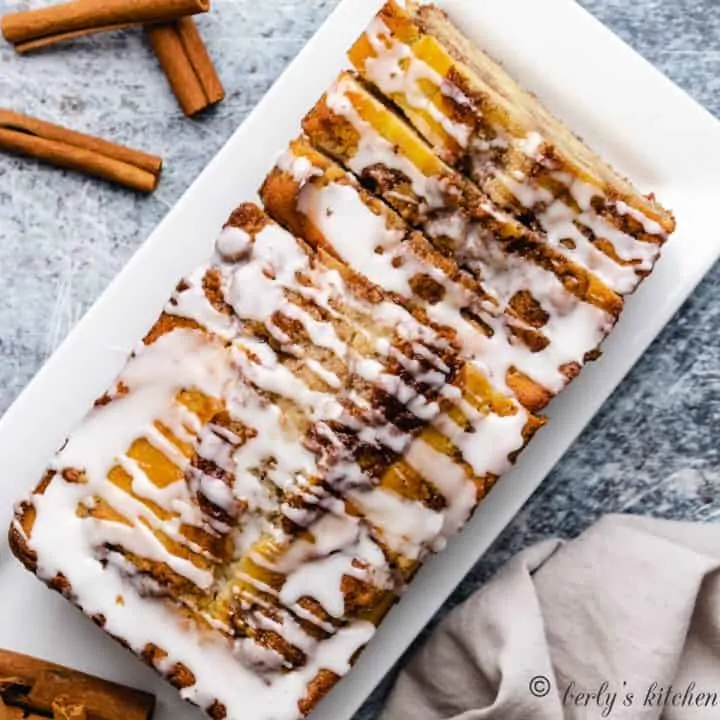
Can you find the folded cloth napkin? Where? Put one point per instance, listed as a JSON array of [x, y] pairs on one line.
[[622, 622]]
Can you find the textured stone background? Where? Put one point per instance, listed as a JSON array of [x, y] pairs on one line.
[[653, 449]]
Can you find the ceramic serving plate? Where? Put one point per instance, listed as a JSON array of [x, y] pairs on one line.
[[647, 127]]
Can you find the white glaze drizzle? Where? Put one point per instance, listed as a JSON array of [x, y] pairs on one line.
[[450, 478], [651, 227], [357, 556], [374, 149], [396, 70], [406, 526], [573, 327], [560, 223]]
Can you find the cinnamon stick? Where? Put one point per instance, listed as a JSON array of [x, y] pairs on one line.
[[35, 29], [65, 148], [186, 63], [45, 688]]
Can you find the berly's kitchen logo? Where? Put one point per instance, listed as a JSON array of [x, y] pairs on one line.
[[607, 698]]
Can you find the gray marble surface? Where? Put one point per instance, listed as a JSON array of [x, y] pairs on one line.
[[653, 449]]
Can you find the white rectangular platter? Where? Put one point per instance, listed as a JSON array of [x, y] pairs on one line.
[[624, 108]]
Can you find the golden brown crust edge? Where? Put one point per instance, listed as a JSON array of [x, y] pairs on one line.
[[19, 547]]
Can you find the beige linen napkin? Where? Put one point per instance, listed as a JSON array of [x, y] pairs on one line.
[[622, 622]]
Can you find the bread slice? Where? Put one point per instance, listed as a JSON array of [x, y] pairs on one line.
[[481, 121]]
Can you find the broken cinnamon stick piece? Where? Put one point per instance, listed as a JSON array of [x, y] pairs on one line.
[[50, 684], [65, 148], [35, 29], [186, 63]]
